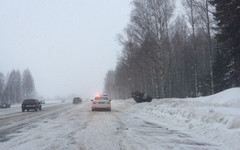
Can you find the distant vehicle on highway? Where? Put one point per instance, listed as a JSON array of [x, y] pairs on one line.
[[101, 102], [77, 100], [5, 105], [28, 104], [42, 102]]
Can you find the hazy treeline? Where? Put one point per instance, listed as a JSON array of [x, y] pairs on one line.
[[16, 86], [169, 55]]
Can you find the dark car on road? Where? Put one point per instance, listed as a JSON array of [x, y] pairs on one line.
[[28, 104], [77, 100], [5, 105]]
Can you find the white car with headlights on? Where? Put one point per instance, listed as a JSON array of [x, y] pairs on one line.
[[101, 102]]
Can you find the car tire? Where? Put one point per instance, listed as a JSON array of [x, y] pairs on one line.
[[40, 108], [27, 109], [23, 110], [93, 109]]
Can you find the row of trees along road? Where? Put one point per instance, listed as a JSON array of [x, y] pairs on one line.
[[171, 55], [16, 87]]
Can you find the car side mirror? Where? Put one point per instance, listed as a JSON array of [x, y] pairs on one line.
[[110, 100]]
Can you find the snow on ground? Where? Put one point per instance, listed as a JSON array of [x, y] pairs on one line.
[[205, 123], [215, 117]]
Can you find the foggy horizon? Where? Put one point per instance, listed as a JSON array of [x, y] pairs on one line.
[[67, 45]]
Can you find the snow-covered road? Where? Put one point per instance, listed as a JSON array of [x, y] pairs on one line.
[[13, 120], [74, 127]]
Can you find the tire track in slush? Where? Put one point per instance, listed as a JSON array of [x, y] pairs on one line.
[[92, 127]]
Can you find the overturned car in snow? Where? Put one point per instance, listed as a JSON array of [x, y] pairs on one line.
[[141, 97]]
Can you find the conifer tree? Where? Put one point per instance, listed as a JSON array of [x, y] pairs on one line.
[[227, 16]]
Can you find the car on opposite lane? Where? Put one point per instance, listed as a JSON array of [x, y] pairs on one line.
[[5, 105], [77, 100], [28, 104], [101, 102], [42, 102]]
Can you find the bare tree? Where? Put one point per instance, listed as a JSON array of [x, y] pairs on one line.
[[28, 86], [205, 12], [157, 57], [13, 87], [2, 86], [190, 6]]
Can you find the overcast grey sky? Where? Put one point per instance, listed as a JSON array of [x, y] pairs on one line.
[[68, 45]]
